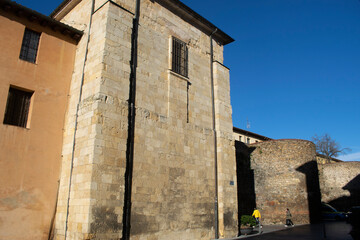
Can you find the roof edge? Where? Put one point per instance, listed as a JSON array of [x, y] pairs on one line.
[[195, 19], [250, 134], [175, 6], [43, 20], [64, 8]]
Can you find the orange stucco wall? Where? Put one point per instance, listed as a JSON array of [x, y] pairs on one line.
[[30, 158]]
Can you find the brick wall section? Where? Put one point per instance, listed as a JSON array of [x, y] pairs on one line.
[[340, 184], [279, 183], [173, 179]]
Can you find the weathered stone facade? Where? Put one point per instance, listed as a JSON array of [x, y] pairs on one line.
[[340, 184], [285, 176], [174, 173]]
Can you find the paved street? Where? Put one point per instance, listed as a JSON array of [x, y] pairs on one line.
[[327, 231]]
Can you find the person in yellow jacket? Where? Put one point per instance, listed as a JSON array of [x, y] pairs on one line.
[[256, 214]]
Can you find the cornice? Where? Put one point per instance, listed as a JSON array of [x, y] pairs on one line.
[[20, 11]]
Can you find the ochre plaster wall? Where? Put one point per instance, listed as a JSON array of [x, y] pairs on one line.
[[30, 158]]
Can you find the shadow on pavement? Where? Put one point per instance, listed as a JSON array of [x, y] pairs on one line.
[[332, 230]]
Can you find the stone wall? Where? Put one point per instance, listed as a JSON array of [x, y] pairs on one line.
[[285, 176], [321, 159], [173, 178], [340, 184], [91, 151]]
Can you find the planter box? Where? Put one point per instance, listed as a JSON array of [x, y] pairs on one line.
[[246, 231]]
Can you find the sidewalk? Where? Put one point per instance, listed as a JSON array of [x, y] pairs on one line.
[[329, 230]]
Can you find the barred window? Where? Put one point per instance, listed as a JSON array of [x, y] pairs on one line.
[[29, 45], [179, 57], [17, 107]]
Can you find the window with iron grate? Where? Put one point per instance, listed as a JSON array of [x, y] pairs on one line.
[[17, 107], [179, 57], [29, 46]]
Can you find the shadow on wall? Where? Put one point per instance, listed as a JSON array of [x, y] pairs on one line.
[[310, 169], [245, 181], [346, 202]]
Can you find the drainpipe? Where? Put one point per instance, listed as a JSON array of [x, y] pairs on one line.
[[52, 222], [76, 117], [215, 136], [131, 126]]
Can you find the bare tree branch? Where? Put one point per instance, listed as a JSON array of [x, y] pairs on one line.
[[328, 147]]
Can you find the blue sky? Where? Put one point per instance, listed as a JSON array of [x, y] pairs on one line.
[[294, 65]]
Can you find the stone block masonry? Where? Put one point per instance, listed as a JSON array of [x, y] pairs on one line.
[[340, 184], [96, 195], [173, 188]]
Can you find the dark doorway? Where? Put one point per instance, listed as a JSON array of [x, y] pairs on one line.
[[245, 181]]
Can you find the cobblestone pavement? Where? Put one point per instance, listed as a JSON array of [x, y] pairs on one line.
[[326, 231]]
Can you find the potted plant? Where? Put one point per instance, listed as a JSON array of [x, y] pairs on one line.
[[247, 223]]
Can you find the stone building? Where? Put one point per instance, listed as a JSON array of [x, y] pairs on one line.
[[36, 65], [180, 179]]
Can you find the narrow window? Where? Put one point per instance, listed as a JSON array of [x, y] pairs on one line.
[[179, 57], [240, 138], [248, 140], [187, 101], [17, 107], [29, 45]]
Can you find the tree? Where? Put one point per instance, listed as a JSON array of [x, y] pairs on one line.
[[328, 147]]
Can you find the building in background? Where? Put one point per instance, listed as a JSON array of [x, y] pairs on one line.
[[248, 137], [36, 65]]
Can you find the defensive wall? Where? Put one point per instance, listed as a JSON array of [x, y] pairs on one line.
[[340, 184], [285, 176]]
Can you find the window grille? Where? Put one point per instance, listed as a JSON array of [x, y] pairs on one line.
[[179, 57], [29, 45], [17, 107]]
